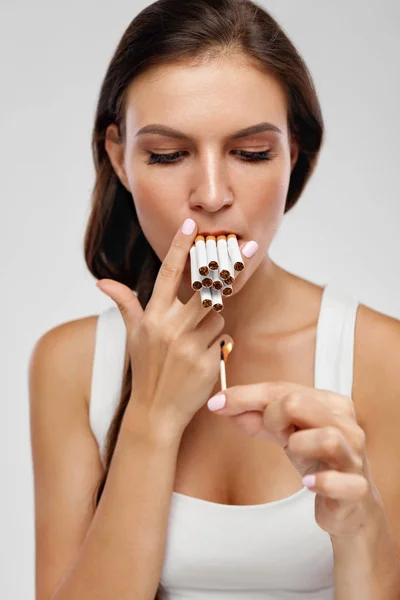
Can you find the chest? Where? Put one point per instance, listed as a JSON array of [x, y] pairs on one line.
[[219, 462]]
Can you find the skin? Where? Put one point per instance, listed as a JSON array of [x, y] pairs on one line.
[[212, 182]]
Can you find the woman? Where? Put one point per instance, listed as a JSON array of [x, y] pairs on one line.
[[208, 116]]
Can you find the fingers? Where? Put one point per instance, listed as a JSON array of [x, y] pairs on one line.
[[128, 304], [169, 276], [283, 417], [209, 329]]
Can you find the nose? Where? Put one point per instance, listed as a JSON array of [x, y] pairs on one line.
[[212, 191]]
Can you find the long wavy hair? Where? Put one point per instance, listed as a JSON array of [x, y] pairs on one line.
[[167, 32]]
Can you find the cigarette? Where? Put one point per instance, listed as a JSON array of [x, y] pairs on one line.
[[227, 290], [216, 283], [234, 252], [201, 255], [196, 281], [212, 254], [216, 298], [205, 297], [231, 279], [223, 257], [206, 281]]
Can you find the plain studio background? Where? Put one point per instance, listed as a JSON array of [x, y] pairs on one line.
[[344, 229]]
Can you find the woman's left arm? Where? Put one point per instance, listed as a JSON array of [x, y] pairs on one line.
[[368, 566], [357, 476]]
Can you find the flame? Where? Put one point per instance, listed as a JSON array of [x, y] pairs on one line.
[[226, 350]]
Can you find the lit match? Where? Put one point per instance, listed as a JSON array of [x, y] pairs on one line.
[[226, 349]]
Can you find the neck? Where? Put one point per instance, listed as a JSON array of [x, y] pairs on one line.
[[259, 304]]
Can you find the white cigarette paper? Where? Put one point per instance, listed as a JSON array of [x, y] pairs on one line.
[[205, 297], [201, 255], [212, 254], [216, 297], [231, 279], [217, 283], [223, 257], [234, 252], [196, 279]]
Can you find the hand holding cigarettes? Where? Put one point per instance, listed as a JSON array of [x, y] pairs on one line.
[[174, 348]]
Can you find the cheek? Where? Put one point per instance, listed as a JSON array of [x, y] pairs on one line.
[[153, 206], [268, 193]]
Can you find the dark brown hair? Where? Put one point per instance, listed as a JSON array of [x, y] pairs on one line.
[[193, 31]]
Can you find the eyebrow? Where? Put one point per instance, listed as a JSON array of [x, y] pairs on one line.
[[173, 133]]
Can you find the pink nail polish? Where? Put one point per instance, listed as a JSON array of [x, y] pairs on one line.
[[216, 402], [250, 249], [188, 227], [309, 480]]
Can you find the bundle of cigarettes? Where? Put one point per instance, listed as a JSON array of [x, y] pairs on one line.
[[214, 262]]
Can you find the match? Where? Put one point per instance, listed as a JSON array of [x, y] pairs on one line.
[[226, 349]]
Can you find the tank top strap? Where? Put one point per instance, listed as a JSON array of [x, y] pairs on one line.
[[107, 373], [334, 355]]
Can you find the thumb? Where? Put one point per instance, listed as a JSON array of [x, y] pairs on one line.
[[126, 300]]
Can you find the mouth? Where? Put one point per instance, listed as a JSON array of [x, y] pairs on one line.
[[217, 233], [240, 239]]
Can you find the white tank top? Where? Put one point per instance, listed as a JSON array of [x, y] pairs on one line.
[[272, 551]]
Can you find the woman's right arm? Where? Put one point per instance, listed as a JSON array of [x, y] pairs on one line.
[[116, 551]]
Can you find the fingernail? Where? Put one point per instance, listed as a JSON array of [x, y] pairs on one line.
[[309, 480], [188, 227], [216, 402], [250, 249]]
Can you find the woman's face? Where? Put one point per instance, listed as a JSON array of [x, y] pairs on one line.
[[210, 176]]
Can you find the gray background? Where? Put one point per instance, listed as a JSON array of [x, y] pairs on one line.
[[343, 231]]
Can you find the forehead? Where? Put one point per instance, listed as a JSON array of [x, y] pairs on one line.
[[218, 95]]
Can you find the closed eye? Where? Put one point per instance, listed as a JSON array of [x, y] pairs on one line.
[[165, 159]]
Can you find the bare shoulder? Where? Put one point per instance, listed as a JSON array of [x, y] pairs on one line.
[[376, 384], [66, 460], [68, 348], [376, 396], [376, 359]]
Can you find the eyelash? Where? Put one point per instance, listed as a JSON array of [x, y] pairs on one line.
[[164, 159]]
